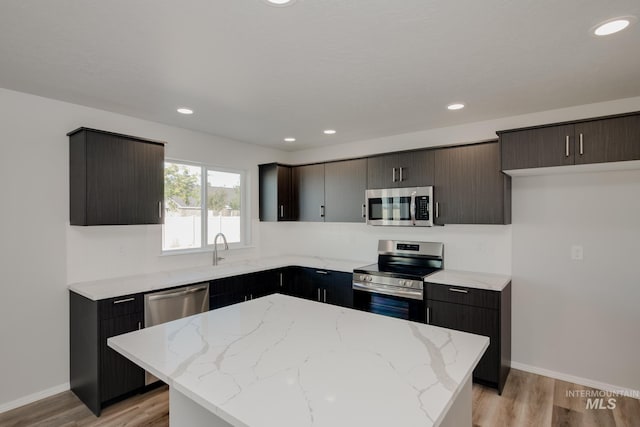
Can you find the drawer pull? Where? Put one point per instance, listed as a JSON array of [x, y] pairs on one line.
[[321, 272], [462, 291], [120, 301]]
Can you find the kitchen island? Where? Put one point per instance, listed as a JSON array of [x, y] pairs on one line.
[[283, 361]]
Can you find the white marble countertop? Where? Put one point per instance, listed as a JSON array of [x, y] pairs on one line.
[[119, 286], [280, 361], [470, 279]]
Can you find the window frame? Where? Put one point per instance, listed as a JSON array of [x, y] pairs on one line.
[[245, 209]]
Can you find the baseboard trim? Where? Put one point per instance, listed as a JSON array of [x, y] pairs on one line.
[[25, 400], [576, 380]]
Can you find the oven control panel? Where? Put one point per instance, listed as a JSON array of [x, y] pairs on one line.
[[404, 283]]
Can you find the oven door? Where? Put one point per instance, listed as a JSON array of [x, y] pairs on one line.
[[390, 305]]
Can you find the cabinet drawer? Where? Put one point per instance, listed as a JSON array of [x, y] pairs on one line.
[[463, 295], [120, 306]]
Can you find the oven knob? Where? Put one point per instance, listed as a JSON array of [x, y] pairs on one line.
[[370, 279], [362, 277], [401, 283]]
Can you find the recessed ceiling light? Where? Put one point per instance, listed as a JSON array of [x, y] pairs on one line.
[[612, 26], [329, 132], [289, 140], [456, 106], [280, 3], [183, 110]]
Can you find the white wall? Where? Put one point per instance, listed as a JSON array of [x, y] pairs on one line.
[[578, 318], [40, 253]]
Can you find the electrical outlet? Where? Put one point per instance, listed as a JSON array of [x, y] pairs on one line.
[[577, 252]]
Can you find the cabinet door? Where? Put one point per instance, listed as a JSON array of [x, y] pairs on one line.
[[276, 202], [469, 186], [301, 283], [415, 168], [124, 180], [608, 140], [339, 288], [345, 186], [227, 291], [380, 171], [118, 375], [309, 185], [475, 320], [260, 284], [535, 148]]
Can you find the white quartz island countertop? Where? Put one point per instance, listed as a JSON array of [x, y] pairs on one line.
[[280, 361]]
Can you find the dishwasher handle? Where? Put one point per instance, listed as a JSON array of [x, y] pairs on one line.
[[179, 293]]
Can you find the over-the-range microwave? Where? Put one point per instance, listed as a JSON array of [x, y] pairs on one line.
[[400, 206]]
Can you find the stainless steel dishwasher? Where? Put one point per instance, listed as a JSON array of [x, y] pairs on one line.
[[165, 306]]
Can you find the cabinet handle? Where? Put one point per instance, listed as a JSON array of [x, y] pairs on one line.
[[437, 210], [428, 315], [364, 215], [139, 325], [321, 272], [325, 295], [321, 211], [160, 209], [401, 178], [280, 279], [581, 145], [281, 211], [462, 291], [566, 146], [393, 174], [120, 301], [318, 294], [250, 296], [245, 298]]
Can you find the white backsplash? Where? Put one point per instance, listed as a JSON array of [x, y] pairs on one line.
[[482, 248]]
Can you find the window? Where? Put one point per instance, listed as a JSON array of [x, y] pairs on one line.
[[200, 202]]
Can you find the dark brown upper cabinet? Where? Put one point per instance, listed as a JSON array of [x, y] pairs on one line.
[[404, 169], [608, 139], [470, 187], [309, 184], [115, 179], [345, 183], [277, 193]]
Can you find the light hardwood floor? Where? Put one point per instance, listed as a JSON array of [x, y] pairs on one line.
[[527, 400]]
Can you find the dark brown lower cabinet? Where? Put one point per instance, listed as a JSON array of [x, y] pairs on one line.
[[98, 374], [328, 286], [235, 289], [478, 312]]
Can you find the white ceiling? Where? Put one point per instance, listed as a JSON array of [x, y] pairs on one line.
[[367, 68]]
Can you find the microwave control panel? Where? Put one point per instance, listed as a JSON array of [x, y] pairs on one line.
[[422, 208]]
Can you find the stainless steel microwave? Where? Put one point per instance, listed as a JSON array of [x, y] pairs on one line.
[[400, 206]]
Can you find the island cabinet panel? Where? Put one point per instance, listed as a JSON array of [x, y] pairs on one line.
[[470, 188], [403, 169], [98, 374], [477, 311], [599, 140], [345, 186], [115, 179], [277, 201], [309, 185]]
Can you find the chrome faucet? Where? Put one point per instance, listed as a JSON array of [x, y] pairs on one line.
[[215, 247]]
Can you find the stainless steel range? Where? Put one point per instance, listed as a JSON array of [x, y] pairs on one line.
[[394, 286]]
